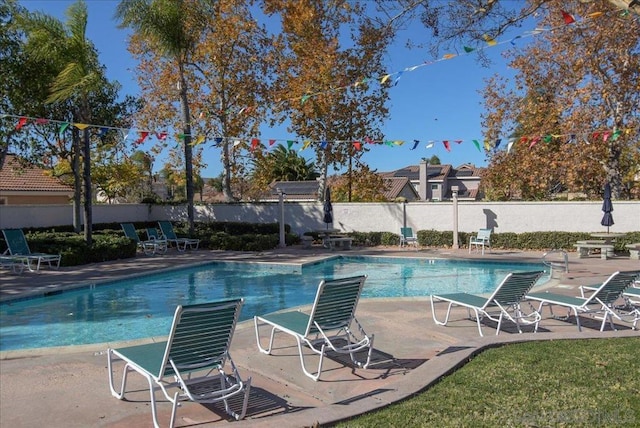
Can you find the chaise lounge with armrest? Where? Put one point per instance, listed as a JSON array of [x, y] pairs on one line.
[[189, 365], [327, 326], [600, 303], [19, 253], [170, 236], [503, 303]]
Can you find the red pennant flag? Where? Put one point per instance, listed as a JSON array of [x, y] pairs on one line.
[[161, 136], [446, 145], [534, 141], [254, 143], [21, 122], [272, 142], [568, 18], [357, 145], [457, 141], [41, 121], [143, 136]]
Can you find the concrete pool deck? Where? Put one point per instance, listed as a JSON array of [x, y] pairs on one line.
[[68, 386]]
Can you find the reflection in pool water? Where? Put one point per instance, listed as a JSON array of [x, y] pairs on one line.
[[144, 306]]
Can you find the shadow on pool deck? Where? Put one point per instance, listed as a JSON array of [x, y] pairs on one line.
[[68, 386]]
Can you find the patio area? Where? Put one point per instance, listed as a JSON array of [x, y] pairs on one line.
[[68, 386]]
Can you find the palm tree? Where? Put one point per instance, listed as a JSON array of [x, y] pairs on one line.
[[163, 24], [80, 76]]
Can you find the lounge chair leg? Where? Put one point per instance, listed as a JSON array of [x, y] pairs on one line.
[[273, 332], [301, 354], [433, 314]]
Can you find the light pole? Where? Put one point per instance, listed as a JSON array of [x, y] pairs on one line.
[[454, 191], [281, 195]]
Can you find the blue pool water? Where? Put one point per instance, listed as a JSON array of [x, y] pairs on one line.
[[144, 307]]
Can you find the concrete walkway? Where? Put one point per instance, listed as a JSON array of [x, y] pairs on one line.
[[67, 387]]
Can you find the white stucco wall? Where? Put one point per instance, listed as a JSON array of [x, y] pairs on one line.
[[503, 217]]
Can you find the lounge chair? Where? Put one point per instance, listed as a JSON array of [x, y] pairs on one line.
[[191, 361], [503, 303], [149, 247], [154, 236], [481, 239], [326, 327], [407, 237], [630, 310], [599, 303], [170, 235], [19, 252]]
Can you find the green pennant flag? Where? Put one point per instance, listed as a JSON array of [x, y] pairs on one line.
[[290, 143], [477, 144], [547, 138], [467, 49], [63, 128]]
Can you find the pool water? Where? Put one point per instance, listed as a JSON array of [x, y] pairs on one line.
[[143, 307]]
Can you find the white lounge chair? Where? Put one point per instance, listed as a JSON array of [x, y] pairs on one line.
[[190, 364], [503, 303], [326, 327], [481, 239], [600, 303]]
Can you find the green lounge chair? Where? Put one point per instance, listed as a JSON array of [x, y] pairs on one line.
[[630, 310], [19, 252], [407, 237], [599, 303], [181, 243], [503, 303], [326, 327], [191, 361], [154, 236], [149, 247]]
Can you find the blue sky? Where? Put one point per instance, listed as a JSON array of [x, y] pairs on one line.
[[436, 102]]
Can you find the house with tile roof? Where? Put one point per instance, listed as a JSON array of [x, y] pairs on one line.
[[396, 187], [437, 182], [24, 184]]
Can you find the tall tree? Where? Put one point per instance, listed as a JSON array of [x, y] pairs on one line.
[[225, 64], [164, 26], [325, 47], [574, 110], [80, 76]]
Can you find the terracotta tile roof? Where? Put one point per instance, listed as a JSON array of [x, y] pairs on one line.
[[18, 177]]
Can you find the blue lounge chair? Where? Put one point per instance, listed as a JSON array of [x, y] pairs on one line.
[[150, 247], [170, 235], [190, 364], [326, 327], [19, 252], [600, 303], [503, 303]]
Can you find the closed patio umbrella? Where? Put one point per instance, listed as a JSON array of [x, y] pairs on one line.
[[607, 208], [328, 208]]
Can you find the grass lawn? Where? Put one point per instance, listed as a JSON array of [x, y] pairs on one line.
[[564, 383]]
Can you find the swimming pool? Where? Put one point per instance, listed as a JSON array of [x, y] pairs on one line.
[[143, 307]]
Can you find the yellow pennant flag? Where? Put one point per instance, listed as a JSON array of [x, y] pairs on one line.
[[489, 40], [385, 78], [305, 144], [449, 56], [81, 125]]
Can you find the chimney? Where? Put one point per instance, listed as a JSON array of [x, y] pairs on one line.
[[424, 178]]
